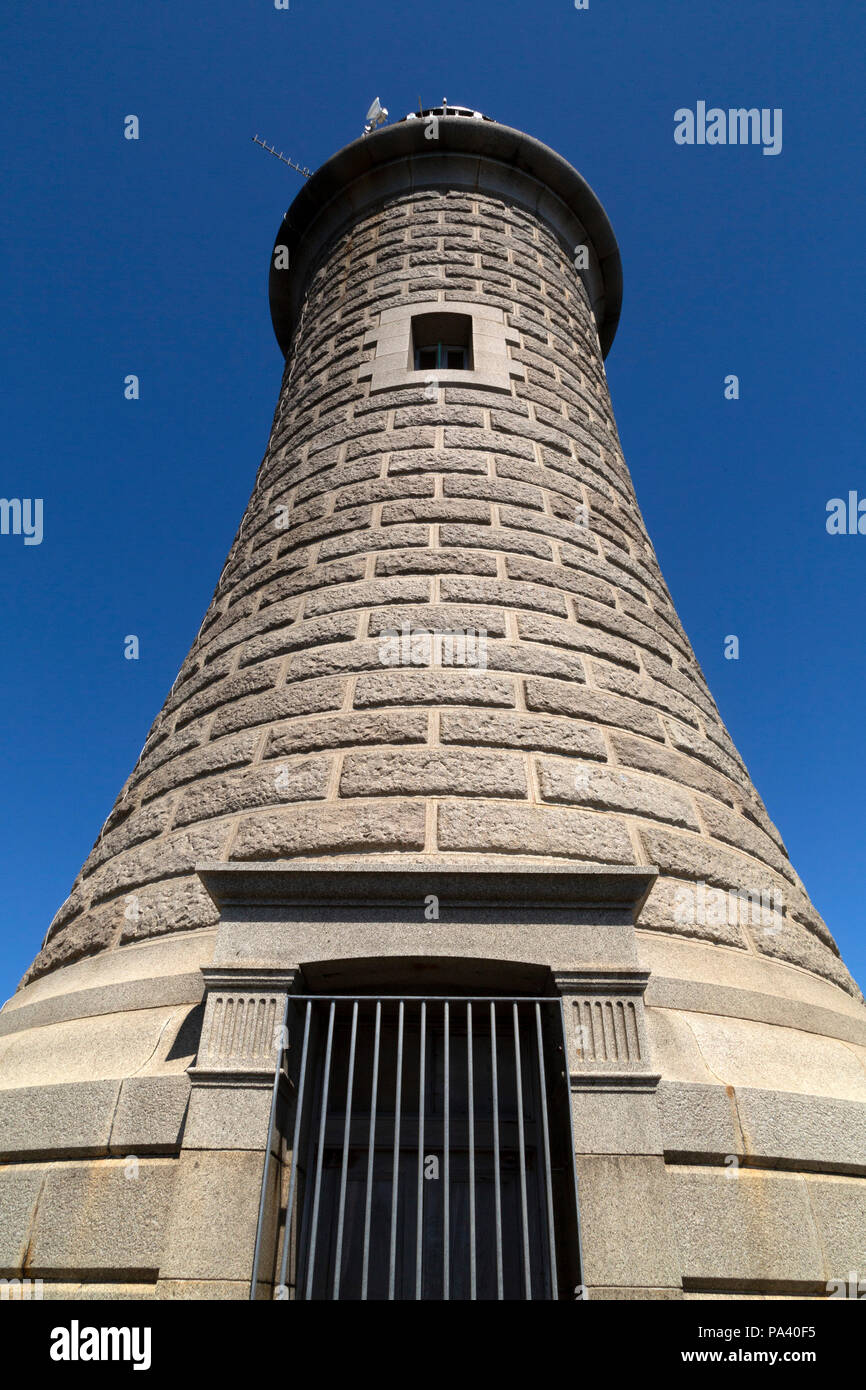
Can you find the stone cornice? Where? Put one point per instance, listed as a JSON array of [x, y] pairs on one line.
[[453, 881]]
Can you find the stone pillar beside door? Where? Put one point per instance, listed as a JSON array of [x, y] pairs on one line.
[[215, 1213], [628, 1236]]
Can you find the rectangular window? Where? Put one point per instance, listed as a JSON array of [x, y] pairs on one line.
[[428, 1150], [442, 342]]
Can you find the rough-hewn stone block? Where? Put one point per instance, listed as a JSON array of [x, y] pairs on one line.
[[494, 539], [174, 854], [370, 594], [504, 829], [384, 490], [269, 785], [213, 757], [535, 660], [344, 828], [508, 593], [438, 617], [693, 857], [433, 772], [742, 834], [788, 940], [554, 697], [534, 628], [181, 904], [580, 784], [571, 582], [437, 461], [653, 757], [310, 697], [336, 627], [373, 538], [355, 730], [83, 936], [437, 509], [225, 692], [495, 490], [649, 692], [436, 562], [674, 906], [499, 730], [433, 687]]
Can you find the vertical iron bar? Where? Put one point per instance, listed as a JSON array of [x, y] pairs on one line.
[[299, 1110], [267, 1166], [473, 1285], [344, 1170], [497, 1182], [419, 1228], [326, 1081], [446, 1164], [548, 1177], [396, 1167], [371, 1145], [567, 1068], [522, 1143]]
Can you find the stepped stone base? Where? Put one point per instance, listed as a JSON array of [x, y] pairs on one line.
[[736, 1166]]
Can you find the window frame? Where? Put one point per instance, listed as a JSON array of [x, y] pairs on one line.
[[393, 363]]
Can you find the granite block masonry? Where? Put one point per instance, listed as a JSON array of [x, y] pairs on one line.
[[304, 790]]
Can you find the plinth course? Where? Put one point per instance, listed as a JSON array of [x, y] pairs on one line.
[[441, 735]]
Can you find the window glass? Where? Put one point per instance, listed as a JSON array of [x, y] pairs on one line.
[[441, 342]]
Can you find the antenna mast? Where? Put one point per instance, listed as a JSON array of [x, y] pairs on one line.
[[278, 154]]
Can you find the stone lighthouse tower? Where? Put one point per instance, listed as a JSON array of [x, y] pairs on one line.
[[438, 944]]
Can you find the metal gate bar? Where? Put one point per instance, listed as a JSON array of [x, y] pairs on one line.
[[369, 1189], [342, 1141], [497, 1181]]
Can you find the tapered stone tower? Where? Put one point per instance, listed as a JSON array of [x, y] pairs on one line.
[[441, 739]]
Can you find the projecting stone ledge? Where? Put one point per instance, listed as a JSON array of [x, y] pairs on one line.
[[469, 881]]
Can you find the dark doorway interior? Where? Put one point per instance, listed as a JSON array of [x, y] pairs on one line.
[[466, 1104]]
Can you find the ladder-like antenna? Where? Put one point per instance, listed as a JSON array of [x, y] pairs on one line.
[[278, 154]]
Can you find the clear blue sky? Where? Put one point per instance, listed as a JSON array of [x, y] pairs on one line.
[[152, 258]]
